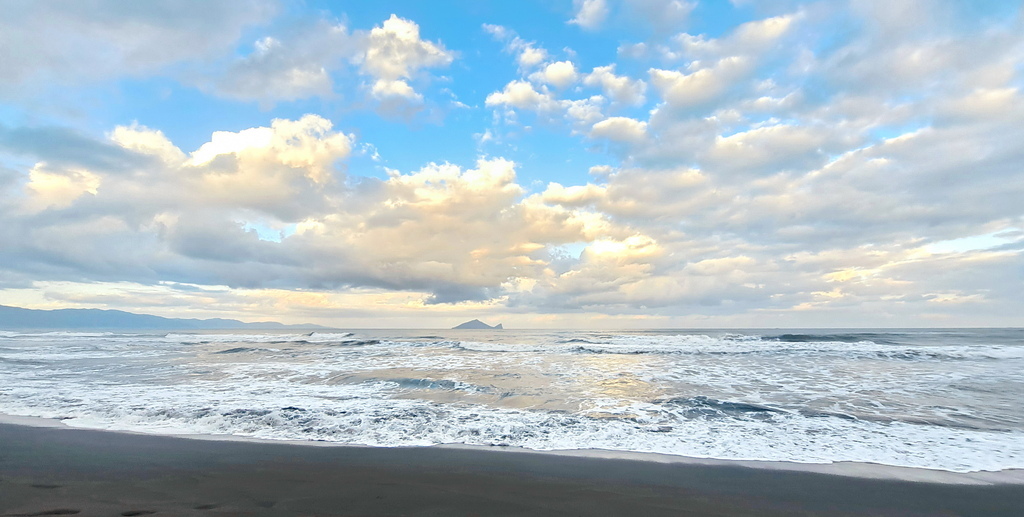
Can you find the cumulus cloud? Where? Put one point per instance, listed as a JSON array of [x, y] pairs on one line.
[[302, 63], [305, 60], [74, 43], [541, 85], [394, 52], [702, 86], [306, 146], [767, 178], [59, 189], [718, 67], [559, 74], [523, 95], [590, 14], [580, 114], [769, 149], [653, 240], [619, 88], [623, 129], [455, 234], [750, 38]]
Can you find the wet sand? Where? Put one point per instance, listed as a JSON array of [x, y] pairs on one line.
[[63, 471]]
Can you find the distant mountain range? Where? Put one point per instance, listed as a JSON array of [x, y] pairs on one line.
[[19, 318], [477, 325]]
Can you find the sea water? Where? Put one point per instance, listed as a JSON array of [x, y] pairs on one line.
[[940, 399]]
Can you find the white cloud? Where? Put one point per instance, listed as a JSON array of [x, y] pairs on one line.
[[590, 14], [622, 129], [767, 150], [618, 88], [982, 104], [665, 239], [383, 89], [715, 67], [701, 86], [559, 74], [394, 52], [528, 54], [453, 233], [303, 61], [293, 66], [583, 113], [307, 146], [523, 95], [756, 35], [59, 188], [499, 32], [778, 181], [748, 39], [148, 142]]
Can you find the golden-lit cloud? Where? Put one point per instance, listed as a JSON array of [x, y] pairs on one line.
[[774, 172]]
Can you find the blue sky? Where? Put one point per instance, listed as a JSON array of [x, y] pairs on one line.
[[620, 163]]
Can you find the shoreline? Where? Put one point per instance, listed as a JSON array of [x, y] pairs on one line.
[[59, 470], [864, 470]]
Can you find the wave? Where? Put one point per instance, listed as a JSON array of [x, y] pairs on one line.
[[694, 426], [243, 349], [701, 406], [309, 338], [437, 384], [796, 344], [856, 337], [59, 334], [329, 335]]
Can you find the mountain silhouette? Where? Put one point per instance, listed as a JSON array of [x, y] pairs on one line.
[[477, 325]]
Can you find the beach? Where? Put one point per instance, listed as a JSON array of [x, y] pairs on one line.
[[416, 422], [57, 470]]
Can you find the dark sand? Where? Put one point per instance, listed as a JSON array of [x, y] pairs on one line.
[[61, 471]]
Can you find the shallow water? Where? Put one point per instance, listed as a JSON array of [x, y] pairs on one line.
[[943, 399]]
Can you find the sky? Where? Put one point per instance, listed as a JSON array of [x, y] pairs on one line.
[[555, 164]]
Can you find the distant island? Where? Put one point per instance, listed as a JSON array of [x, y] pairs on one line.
[[20, 318], [477, 325]]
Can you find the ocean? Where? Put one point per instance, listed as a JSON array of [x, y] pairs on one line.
[[948, 399]]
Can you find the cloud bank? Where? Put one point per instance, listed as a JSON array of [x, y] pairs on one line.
[[770, 175]]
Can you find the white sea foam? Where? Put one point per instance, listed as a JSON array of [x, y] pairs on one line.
[[358, 415], [735, 345], [54, 334], [311, 337], [808, 399]]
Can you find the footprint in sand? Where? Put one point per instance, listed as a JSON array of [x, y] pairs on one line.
[[133, 513]]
